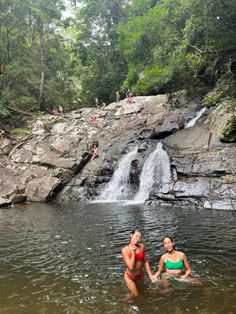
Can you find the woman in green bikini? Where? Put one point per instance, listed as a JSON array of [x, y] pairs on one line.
[[173, 262]]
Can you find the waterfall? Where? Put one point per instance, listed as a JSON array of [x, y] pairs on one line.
[[156, 169], [193, 121], [118, 187]]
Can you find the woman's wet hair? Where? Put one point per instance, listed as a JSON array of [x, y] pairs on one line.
[[136, 229], [171, 239]]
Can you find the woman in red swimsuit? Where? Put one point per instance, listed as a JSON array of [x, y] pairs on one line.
[[135, 259]]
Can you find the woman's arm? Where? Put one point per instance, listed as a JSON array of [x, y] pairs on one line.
[[160, 267], [129, 260], [147, 266], [187, 266]]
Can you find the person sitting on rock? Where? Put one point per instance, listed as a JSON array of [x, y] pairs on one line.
[[60, 109], [117, 96], [94, 151], [55, 112], [103, 105]]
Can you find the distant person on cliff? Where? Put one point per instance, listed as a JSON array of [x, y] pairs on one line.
[[94, 151], [2, 132], [94, 119], [117, 96], [135, 259], [129, 96], [55, 112], [96, 102], [103, 105], [60, 110], [173, 262]]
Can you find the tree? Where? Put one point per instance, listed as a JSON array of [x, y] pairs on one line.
[[177, 44], [97, 48], [35, 59]]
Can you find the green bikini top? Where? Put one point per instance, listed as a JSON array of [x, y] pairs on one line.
[[174, 265]]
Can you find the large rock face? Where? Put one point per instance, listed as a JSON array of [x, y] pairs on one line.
[[54, 161]]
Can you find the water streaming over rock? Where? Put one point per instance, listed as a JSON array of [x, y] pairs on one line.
[[193, 121], [119, 187], [156, 169]]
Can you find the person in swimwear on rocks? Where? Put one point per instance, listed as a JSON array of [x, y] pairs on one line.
[[135, 259], [2, 132], [174, 262], [94, 151]]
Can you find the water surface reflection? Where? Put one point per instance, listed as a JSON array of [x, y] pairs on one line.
[[65, 258]]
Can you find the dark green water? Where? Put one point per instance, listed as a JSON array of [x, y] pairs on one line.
[[66, 258]]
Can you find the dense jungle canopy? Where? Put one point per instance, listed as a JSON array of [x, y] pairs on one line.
[[55, 52]]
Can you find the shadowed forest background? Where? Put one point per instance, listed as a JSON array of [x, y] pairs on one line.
[[55, 53]]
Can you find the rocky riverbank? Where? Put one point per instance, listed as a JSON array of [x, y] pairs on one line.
[[54, 160]]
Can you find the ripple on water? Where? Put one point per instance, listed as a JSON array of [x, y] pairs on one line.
[[67, 259]]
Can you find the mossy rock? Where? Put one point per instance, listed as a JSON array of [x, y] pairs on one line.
[[229, 132], [178, 99], [20, 131], [212, 99]]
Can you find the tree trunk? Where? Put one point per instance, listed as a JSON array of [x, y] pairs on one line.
[[42, 57]]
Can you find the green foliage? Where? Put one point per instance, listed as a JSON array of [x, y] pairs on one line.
[[230, 104], [33, 54], [225, 89], [4, 113], [96, 46], [229, 132], [20, 131], [178, 44], [149, 46], [212, 99]]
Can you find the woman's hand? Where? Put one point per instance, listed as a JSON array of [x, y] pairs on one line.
[[153, 278], [183, 278], [133, 249]]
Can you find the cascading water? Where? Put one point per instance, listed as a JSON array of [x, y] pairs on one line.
[[193, 121], [118, 187], [156, 169]]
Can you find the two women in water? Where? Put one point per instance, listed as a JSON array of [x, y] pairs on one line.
[[173, 265]]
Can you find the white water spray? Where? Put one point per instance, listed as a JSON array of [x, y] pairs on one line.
[[156, 169], [194, 120], [119, 187]]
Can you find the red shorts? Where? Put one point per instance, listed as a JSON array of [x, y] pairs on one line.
[[135, 278]]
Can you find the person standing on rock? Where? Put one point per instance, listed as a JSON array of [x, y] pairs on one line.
[[117, 96], [96, 102], [129, 96], [94, 119]]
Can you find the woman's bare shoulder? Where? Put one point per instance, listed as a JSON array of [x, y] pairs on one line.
[[163, 257], [142, 246], [180, 254], [125, 249]]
